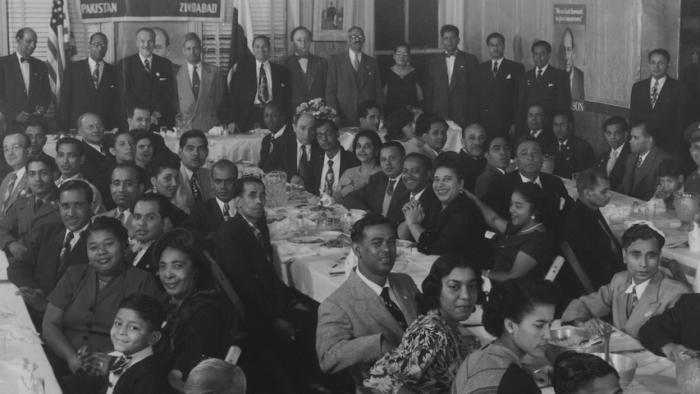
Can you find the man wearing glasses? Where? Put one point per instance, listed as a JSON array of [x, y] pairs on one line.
[[90, 85], [353, 77]]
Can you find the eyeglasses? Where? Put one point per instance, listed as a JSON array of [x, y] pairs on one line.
[[357, 37], [98, 45]]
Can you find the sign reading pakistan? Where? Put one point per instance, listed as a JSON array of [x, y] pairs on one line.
[[92, 11]]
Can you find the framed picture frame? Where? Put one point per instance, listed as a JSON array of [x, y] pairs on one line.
[[332, 19]]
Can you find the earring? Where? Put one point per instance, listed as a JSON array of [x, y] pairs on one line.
[[532, 217]]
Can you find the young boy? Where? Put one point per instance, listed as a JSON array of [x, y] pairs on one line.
[[579, 373], [670, 182], [635, 295]]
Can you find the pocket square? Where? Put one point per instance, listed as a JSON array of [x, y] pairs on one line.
[[551, 85], [162, 79], [461, 66], [508, 76]]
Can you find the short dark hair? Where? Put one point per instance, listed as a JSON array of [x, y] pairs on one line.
[[393, 144], [490, 141], [37, 121], [515, 298], [527, 139], [567, 113], [71, 141], [357, 233], [574, 371], [148, 30], [496, 35], [449, 29], [669, 168], [113, 141], [298, 28], [278, 106], [541, 43], [372, 136], [162, 162], [588, 179], [148, 309], [659, 51], [133, 168], [239, 185], [22, 31], [536, 104], [112, 225], [165, 34], [47, 160], [616, 120], [397, 121], [165, 207], [194, 133], [425, 160], [132, 108], [365, 106], [226, 163], [191, 36], [641, 232], [442, 267], [534, 196], [402, 45], [449, 162], [264, 38], [425, 120], [326, 121], [140, 134], [99, 33], [646, 128], [77, 185], [186, 242]]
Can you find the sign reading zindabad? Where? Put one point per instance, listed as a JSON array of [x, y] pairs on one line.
[[149, 10], [570, 14]]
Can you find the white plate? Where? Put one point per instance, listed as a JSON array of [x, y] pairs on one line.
[[306, 239]]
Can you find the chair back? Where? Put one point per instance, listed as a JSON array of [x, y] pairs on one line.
[[576, 267]]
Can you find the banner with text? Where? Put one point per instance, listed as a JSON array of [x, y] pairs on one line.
[[95, 11], [570, 47]]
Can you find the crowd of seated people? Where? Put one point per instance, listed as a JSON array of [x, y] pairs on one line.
[[142, 267]]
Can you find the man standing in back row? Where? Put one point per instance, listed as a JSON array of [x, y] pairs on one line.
[[307, 72]]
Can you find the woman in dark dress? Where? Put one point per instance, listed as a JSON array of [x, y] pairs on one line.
[[401, 87], [524, 247]]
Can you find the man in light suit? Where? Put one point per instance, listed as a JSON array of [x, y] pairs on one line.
[[90, 85], [16, 148], [146, 80], [353, 77], [496, 89], [368, 314], [200, 88], [616, 134], [635, 295], [24, 81], [449, 80], [307, 72], [195, 180], [643, 164]]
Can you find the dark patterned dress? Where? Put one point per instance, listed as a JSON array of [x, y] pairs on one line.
[[425, 361]]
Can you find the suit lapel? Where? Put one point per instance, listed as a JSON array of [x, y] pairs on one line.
[[647, 304], [641, 172], [663, 94], [459, 62], [403, 300], [374, 305], [18, 71]]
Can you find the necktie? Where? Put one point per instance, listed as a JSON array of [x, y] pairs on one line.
[[194, 185], [96, 76], [356, 61], [226, 213], [64, 250], [640, 161], [449, 54], [495, 68], [119, 364], [103, 150], [390, 187], [263, 94], [611, 161], [195, 82], [330, 178], [393, 308], [539, 73], [632, 301], [38, 203], [8, 192], [654, 93], [147, 64], [24, 59], [303, 162], [258, 235], [121, 216]]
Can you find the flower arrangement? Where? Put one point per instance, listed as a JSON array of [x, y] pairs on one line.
[[318, 109]]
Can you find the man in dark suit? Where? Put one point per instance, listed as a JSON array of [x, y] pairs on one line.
[[294, 152], [471, 158], [151, 217], [612, 162], [528, 159], [24, 81], [96, 162], [384, 194], [544, 84], [674, 332], [206, 217], [496, 89], [661, 101], [329, 166], [588, 234], [91, 85], [307, 72], [146, 80], [497, 162], [575, 73], [572, 154], [417, 177], [255, 83], [139, 118], [36, 130], [538, 128], [449, 80], [276, 122], [353, 77], [55, 247], [642, 168]]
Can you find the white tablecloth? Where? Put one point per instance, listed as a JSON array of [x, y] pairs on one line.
[[14, 313], [244, 147]]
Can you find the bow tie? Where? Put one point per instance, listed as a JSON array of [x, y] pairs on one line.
[[450, 54], [139, 246], [119, 364], [24, 59]]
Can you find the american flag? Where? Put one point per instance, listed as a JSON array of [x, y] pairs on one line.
[[58, 43]]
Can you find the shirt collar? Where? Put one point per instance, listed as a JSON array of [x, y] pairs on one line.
[[527, 180], [135, 357], [565, 142], [373, 286], [93, 63], [187, 171], [337, 155], [498, 62], [544, 69], [661, 80], [644, 155], [416, 196], [502, 171], [231, 208], [353, 54], [190, 67], [20, 173], [19, 58], [536, 134], [143, 59], [638, 288], [79, 231], [618, 150], [258, 63], [279, 132], [94, 146]]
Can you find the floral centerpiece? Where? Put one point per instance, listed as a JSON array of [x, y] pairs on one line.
[[318, 109]]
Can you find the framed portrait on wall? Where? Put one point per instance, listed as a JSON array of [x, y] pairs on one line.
[[332, 19]]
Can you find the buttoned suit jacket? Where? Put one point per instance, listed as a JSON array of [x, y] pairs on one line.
[[14, 97], [347, 88], [268, 144], [284, 158], [23, 218], [618, 170], [347, 160], [496, 98], [78, 95], [199, 113], [661, 294], [452, 99], [310, 85], [552, 90], [353, 321], [641, 182], [154, 90], [39, 268], [576, 157], [21, 188], [668, 118], [371, 197], [183, 197]]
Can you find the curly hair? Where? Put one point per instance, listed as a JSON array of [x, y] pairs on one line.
[[442, 267], [186, 242]]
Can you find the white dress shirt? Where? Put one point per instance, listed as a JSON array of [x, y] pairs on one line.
[[336, 172], [536, 181], [498, 64], [535, 133], [544, 69], [268, 74], [190, 69], [641, 158], [450, 63], [20, 173], [143, 61], [24, 68], [141, 252], [661, 80], [612, 159], [100, 68], [638, 288], [355, 56], [307, 148], [76, 236], [303, 63], [231, 207]]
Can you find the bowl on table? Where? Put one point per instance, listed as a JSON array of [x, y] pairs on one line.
[[578, 339], [624, 365]]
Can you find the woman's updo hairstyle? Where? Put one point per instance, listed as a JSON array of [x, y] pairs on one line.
[[187, 243], [442, 267], [534, 196], [513, 299], [111, 225]]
